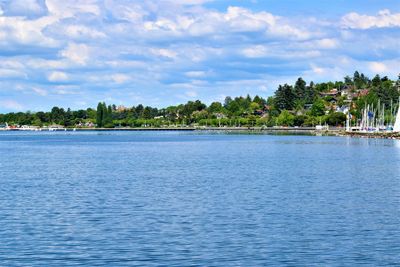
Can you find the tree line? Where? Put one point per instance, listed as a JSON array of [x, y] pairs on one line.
[[300, 104]]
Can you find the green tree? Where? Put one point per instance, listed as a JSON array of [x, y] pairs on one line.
[[285, 97], [386, 92], [285, 119], [336, 118], [254, 107], [259, 100], [252, 120], [300, 89], [69, 119], [234, 108], [376, 81], [348, 80], [139, 111], [107, 116], [318, 108], [215, 107], [227, 101], [299, 120], [360, 80], [57, 115], [101, 114]]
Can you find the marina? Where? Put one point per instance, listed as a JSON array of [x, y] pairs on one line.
[[375, 122]]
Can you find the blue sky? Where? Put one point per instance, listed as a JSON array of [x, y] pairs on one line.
[[76, 53]]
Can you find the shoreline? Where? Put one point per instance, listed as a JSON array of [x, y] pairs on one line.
[[333, 131], [185, 129], [228, 130]]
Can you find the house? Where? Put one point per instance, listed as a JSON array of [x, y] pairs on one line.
[[267, 108], [121, 108], [350, 96], [220, 116], [345, 90], [333, 93], [89, 124], [362, 92]]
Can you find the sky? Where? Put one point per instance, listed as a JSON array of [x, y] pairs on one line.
[[75, 53]]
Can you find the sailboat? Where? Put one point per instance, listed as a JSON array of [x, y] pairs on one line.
[[396, 127]]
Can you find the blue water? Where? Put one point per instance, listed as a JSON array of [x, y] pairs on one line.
[[189, 199]]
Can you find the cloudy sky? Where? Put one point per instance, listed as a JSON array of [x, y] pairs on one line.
[[74, 53]]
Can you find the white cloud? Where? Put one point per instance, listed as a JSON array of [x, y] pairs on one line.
[[195, 74], [255, 51], [318, 70], [117, 78], [65, 90], [389, 67], [164, 53], [241, 19], [327, 43], [40, 91], [324, 72], [23, 31], [384, 19], [71, 8], [12, 73], [320, 44], [43, 64], [126, 10], [120, 78], [57, 76], [234, 20], [77, 53], [11, 63], [80, 31]]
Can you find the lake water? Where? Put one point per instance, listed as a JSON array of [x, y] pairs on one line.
[[197, 199]]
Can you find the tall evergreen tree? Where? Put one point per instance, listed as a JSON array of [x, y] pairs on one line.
[[300, 88], [105, 115], [259, 100], [285, 97], [100, 115], [227, 101], [376, 81], [68, 121]]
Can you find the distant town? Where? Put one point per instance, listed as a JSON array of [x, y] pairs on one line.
[[299, 105]]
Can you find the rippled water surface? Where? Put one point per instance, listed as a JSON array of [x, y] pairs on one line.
[[196, 199]]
